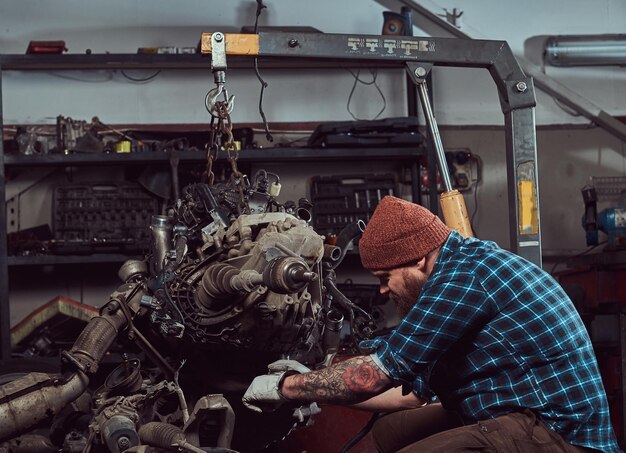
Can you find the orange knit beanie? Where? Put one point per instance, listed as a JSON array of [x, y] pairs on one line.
[[399, 233]]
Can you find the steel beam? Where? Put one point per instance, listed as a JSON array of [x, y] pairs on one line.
[[543, 82], [5, 323]]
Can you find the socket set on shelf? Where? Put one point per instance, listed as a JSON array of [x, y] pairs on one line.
[[341, 200], [105, 217]]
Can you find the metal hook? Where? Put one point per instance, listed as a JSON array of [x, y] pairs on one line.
[[211, 100], [230, 101]]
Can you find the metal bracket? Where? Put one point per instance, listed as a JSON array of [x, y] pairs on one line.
[[218, 51], [521, 94], [418, 71]]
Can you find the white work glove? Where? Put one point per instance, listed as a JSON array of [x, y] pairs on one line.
[[264, 395]]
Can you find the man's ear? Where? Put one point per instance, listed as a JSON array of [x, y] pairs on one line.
[[421, 265]]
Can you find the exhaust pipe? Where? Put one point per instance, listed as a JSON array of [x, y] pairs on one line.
[[34, 398]]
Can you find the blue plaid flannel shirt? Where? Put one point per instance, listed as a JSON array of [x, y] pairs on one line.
[[492, 333]]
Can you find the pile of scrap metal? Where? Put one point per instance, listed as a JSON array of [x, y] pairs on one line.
[[234, 280]]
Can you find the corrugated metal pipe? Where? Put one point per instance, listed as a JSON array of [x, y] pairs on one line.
[[36, 397], [586, 50]]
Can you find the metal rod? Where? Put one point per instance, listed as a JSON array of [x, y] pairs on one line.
[[431, 122], [416, 184], [622, 348], [5, 325]]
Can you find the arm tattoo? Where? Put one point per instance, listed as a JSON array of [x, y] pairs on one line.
[[351, 381]]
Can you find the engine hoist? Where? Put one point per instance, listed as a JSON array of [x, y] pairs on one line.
[[418, 55]]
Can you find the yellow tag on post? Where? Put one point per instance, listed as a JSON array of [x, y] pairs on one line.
[[528, 218]]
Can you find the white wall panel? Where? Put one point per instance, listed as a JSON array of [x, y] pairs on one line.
[[120, 26]]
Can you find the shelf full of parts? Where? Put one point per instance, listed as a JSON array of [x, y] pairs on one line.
[[295, 50], [403, 156]]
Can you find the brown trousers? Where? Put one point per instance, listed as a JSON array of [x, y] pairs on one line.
[[434, 429]]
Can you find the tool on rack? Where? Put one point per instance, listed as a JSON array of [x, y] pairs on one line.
[[451, 200], [46, 47], [611, 220]]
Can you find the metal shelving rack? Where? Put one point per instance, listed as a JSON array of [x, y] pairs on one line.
[[302, 51], [61, 62], [261, 155], [150, 61]]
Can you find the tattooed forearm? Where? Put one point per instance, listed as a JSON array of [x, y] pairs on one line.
[[351, 381]]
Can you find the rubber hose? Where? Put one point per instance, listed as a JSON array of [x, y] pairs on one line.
[[347, 235]]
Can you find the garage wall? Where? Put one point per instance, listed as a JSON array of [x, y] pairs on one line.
[[464, 96], [466, 104]]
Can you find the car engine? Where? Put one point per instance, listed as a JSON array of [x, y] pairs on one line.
[[233, 281]]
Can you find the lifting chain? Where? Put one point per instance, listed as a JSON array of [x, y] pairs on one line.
[[221, 138], [211, 148]]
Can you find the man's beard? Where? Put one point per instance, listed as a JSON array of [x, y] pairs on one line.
[[404, 305], [412, 289]]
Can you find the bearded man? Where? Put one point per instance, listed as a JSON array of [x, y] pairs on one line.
[[490, 355]]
